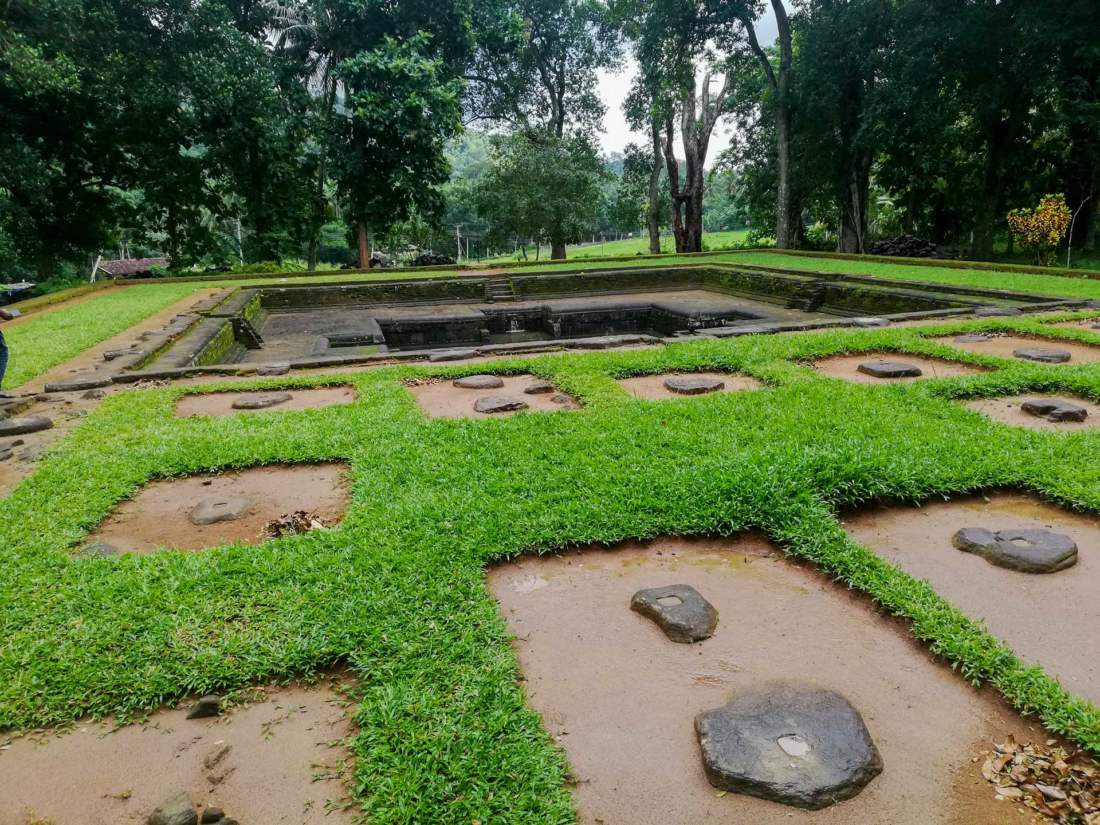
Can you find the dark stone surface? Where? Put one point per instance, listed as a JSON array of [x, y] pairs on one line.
[[207, 706], [538, 388], [113, 354], [176, 811], [561, 398], [88, 382], [1044, 355], [1055, 409], [798, 745], [1028, 551], [262, 401], [27, 424], [453, 355], [882, 368], [679, 610], [870, 322], [693, 386], [479, 382], [219, 508], [94, 395], [973, 338], [498, 404], [97, 550], [996, 312], [5, 453], [277, 368], [212, 815]]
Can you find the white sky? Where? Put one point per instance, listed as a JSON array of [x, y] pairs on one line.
[[614, 87]]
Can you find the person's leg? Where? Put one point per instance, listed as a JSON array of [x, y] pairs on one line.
[[3, 360]]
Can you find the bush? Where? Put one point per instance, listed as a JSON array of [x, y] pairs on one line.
[[1041, 229]]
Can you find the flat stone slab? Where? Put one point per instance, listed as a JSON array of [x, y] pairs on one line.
[[870, 322], [220, 508], [972, 338], [693, 386], [498, 404], [97, 550], [679, 610], [798, 745], [176, 811], [1043, 355], [1055, 409], [77, 384], [997, 312], [881, 368], [480, 382], [452, 355], [24, 424], [1028, 551], [539, 388], [205, 707], [277, 368], [262, 401]]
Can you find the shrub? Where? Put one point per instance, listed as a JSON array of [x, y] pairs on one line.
[[1041, 229]]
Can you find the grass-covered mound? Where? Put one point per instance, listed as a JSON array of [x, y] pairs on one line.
[[398, 592]]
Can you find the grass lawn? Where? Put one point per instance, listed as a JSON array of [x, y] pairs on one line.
[[57, 335], [397, 591], [631, 246]]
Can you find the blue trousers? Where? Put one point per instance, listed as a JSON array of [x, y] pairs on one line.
[[3, 358]]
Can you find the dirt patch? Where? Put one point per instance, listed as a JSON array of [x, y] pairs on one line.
[[621, 698], [1048, 619], [274, 760], [441, 399], [847, 367], [159, 515], [221, 403], [1002, 346], [1008, 411], [652, 387]]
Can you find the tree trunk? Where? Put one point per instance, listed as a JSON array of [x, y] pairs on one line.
[[364, 244], [557, 246], [45, 265], [853, 208], [783, 210], [311, 255], [672, 167], [653, 216]]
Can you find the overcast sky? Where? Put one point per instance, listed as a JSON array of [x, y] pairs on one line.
[[614, 88]]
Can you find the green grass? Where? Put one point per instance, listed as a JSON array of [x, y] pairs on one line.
[[629, 246], [397, 591], [59, 334], [1058, 286]]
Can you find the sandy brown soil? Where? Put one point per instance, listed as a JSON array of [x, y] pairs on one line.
[[1002, 346], [67, 412], [846, 367], [652, 387], [1049, 619], [441, 399], [158, 515], [621, 698], [221, 403], [1008, 411], [277, 760]]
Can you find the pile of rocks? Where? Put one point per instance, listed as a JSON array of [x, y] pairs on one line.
[[906, 246], [432, 260]]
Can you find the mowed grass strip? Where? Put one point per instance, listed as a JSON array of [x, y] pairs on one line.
[[44, 341], [397, 590]]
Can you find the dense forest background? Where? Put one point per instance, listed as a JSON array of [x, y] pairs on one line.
[[309, 133]]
